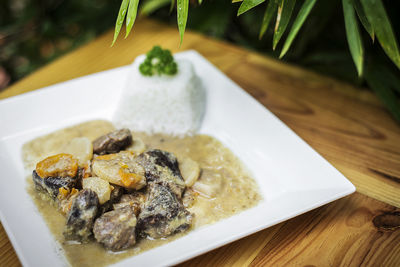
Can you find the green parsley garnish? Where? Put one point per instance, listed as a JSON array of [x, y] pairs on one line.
[[158, 61]]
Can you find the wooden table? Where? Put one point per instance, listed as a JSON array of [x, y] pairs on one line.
[[347, 126]]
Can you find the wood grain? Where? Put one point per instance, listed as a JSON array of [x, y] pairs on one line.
[[347, 126], [8, 257], [352, 132], [337, 234]]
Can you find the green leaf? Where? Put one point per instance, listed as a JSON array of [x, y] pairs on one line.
[[152, 5], [182, 10], [382, 89], [131, 16], [363, 18], [301, 17], [353, 35], [285, 10], [269, 13], [389, 75], [120, 19], [379, 20], [247, 5], [200, 1], [171, 7], [391, 78]]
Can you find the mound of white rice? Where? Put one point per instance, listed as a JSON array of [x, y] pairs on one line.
[[162, 104]]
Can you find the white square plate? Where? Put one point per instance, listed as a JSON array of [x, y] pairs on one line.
[[292, 177]]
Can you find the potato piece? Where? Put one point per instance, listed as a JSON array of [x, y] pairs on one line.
[[120, 169], [137, 146], [81, 148], [209, 185], [190, 171], [207, 190], [98, 185]]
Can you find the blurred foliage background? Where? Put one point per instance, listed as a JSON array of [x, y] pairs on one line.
[[34, 32]]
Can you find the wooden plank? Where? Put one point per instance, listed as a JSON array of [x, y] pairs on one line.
[[8, 257], [338, 234], [353, 132]]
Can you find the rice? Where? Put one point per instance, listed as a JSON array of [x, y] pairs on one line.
[[162, 104]]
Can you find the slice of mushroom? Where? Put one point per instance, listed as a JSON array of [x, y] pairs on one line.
[[190, 170]]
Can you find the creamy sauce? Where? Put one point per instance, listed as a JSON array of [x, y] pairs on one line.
[[235, 189]]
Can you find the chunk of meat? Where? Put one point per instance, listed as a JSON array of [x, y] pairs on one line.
[[115, 196], [163, 214], [162, 167], [116, 193], [116, 229], [81, 217], [52, 185], [121, 169], [112, 142], [65, 199], [135, 200]]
